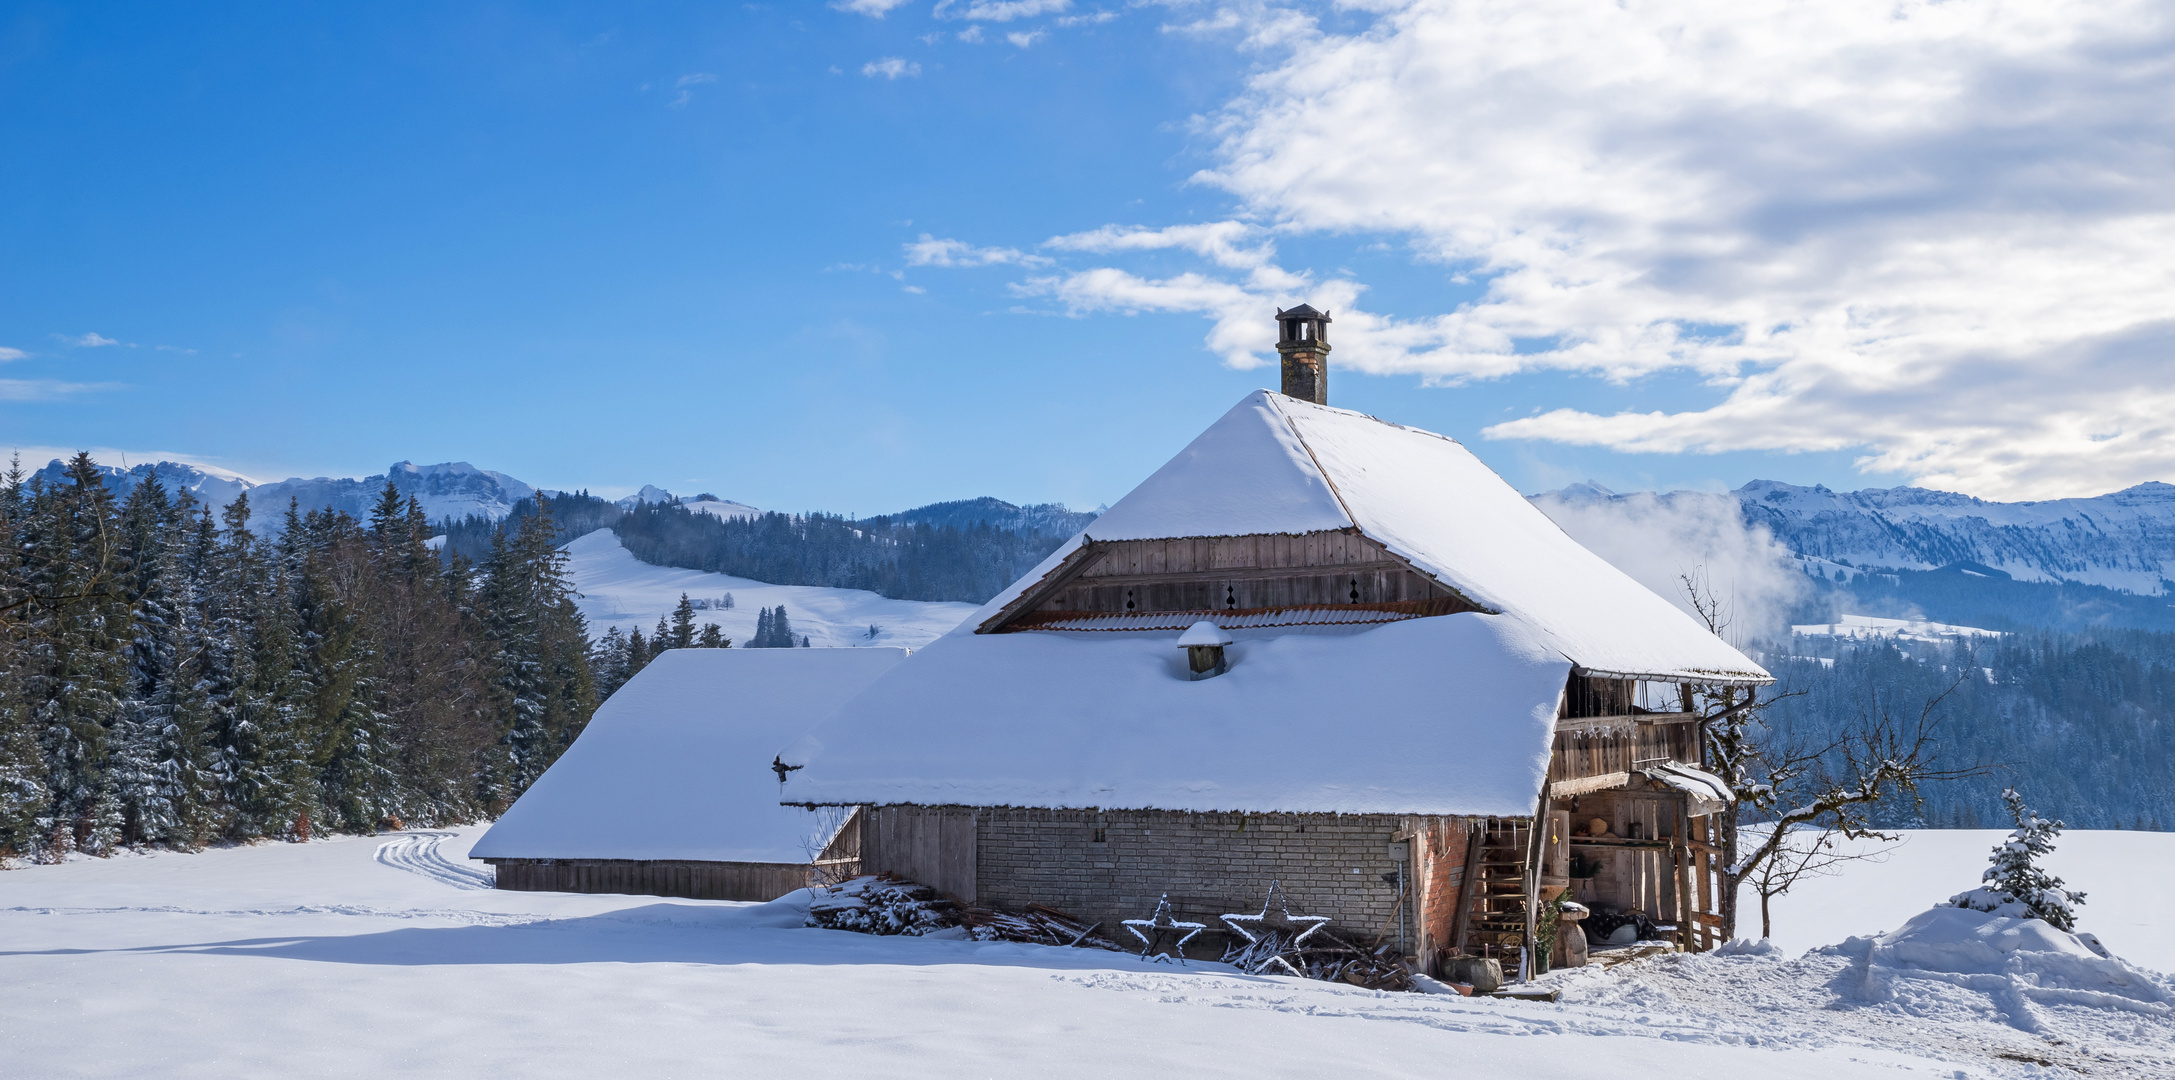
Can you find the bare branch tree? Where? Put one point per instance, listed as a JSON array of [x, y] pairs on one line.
[[1804, 853], [1786, 784]]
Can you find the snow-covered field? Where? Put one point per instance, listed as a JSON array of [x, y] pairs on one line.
[[382, 956], [619, 590]]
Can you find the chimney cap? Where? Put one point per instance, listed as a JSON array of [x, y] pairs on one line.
[[1303, 311], [1204, 633]]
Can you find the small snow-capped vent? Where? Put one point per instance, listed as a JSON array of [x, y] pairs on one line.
[[1204, 632], [1204, 642]]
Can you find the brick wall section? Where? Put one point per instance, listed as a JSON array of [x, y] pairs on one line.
[[1439, 858], [1209, 864]]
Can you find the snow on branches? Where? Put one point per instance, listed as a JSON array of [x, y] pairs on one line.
[[2015, 885]]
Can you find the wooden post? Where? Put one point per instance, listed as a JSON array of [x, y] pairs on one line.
[[1476, 837], [1686, 925]]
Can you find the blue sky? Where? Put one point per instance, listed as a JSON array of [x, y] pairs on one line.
[[815, 257]]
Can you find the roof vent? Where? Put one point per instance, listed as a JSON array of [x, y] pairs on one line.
[[1204, 642]]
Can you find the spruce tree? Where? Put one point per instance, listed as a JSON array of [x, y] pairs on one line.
[[683, 624], [2016, 884], [713, 638], [72, 647]]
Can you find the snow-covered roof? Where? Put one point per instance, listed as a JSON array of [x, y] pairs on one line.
[[1445, 715], [676, 765], [1275, 464]]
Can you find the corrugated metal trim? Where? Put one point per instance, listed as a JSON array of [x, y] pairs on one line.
[[1233, 618], [1730, 678]]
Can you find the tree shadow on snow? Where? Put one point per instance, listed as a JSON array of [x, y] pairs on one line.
[[651, 934]]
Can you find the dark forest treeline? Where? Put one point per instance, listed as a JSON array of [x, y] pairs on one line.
[[967, 550], [571, 515], [169, 677], [2083, 723], [907, 560]]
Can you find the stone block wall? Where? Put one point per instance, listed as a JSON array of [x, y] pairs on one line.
[[1108, 866]]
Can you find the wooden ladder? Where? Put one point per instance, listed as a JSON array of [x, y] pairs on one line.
[[1494, 919]]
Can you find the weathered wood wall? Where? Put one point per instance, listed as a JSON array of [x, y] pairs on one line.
[[693, 880], [932, 845], [1611, 746], [1209, 573]]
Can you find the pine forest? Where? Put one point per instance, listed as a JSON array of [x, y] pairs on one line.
[[170, 677]]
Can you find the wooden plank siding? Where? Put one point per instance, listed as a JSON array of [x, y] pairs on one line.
[[931, 845], [1330, 568], [645, 877], [1226, 572], [1604, 746]]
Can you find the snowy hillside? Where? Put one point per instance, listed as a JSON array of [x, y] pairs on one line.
[[1866, 627], [390, 956], [2123, 540], [619, 590], [704, 503]]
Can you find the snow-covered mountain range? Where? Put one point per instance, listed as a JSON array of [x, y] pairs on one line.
[[2123, 540], [454, 489]]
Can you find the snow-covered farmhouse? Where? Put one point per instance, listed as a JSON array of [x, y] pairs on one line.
[[1316, 649], [668, 791]]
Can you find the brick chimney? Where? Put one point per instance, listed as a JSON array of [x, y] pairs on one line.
[[1302, 338]]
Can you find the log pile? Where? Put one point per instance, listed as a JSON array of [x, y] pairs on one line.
[[887, 905]]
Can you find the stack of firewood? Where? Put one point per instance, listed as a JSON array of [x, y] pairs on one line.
[[884, 904]]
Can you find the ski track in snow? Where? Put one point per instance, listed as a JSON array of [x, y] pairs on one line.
[[418, 853]]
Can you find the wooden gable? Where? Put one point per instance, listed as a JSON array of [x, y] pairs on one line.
[[1313, 572]]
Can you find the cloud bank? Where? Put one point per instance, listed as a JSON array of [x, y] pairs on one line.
[[1941, 234]]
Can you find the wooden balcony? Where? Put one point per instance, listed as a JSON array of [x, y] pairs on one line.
[[1596, 753]]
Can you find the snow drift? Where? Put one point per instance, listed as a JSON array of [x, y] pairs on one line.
[[2016, 962]]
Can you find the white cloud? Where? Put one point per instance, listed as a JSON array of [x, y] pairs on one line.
[[1094, 18], [685, 87], [891, 67], [930, 251], [1661, 539], [1939, 232], [999, 10], [971, 35], [876, 9], [1023, 40], [1224, 242], [91, 340], [47, 389], [7, 354]]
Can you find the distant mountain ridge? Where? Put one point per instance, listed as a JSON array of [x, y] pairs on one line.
[[2123, 540], [457, 490]]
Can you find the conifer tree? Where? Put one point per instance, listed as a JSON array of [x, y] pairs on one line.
[[542, 670], [638, 652], [683, 624], [71, 648], [2016, 884], [713, 638]]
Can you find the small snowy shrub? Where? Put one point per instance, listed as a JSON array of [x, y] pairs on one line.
[[2015, 885]]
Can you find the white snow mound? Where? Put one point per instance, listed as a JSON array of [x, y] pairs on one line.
[[2019, 963]]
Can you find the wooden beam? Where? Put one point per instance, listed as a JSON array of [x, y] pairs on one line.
[[1058, 577], [1240, 573], [1564, 789]]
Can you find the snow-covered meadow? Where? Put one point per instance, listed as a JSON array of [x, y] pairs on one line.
[[376, 956], [617, 589]]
